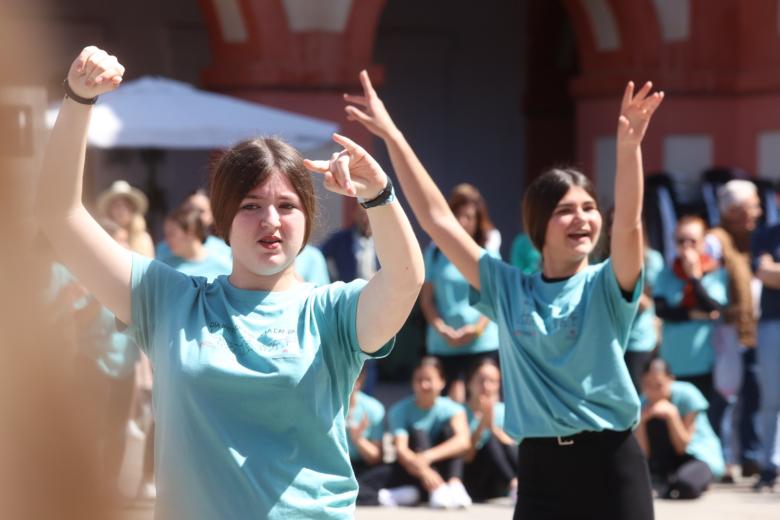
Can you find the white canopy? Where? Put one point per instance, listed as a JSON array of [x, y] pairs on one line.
[[155, 112]]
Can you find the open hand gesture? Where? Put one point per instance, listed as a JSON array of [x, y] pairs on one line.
[[372, 112], [636, 110], [352, 172], [94, 72]]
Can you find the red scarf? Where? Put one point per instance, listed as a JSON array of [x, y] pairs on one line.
[[708, 264]]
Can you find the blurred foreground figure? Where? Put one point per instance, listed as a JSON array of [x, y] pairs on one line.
[[47, 468]]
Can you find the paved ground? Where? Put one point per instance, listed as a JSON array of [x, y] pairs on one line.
[[735, 502]]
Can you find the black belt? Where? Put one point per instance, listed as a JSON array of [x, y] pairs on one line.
[[585, 437]]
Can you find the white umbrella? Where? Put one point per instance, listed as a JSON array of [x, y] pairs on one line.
[[155, 112]]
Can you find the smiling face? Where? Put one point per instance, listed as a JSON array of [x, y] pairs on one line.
[[267, 234], [485, 383], [573, 228], [121, 210], [427, 384]]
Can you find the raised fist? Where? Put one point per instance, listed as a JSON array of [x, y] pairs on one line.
[[94, 72]]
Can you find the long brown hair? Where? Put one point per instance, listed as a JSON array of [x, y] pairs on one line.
[[465, 194]]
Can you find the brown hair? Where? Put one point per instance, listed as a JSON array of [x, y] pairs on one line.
[[250, 163], [465, 194], [189, 219], [693, 219], [542, 196]]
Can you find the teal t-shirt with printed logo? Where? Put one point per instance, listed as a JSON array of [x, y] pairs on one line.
[[405, 416], [498, 420], [687, 345], [251, 391], [451, 298], [366, 406], [561, 349]]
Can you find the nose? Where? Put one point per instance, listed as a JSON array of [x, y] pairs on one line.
[[269, 217]]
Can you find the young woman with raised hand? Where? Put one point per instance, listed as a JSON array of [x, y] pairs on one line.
[[562, 332], [253, 372]]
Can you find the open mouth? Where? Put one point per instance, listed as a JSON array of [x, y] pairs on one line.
[[270, 242], [579, 236]]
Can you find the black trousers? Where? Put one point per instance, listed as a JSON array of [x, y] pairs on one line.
[[682, 475], [591, 475], [489, 474], [371, 480]]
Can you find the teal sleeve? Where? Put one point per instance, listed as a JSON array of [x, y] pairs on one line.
[[620, 310], [396, 419], [338, 307], [485, 300], [690, 399], [377, 419], [654, 265], [155, 289]]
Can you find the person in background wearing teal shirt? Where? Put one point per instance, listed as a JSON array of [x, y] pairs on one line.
[[458, 334], [524, 255], [562, 332], [186, 235], [215, 246], [689, 297], [312, 266], [365, 429], [491, 462], [683, 451], [253, 372], [430, 434]]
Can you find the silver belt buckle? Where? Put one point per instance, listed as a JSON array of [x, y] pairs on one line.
[[562, 442]]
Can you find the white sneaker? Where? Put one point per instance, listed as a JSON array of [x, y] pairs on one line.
[[134, 431], [441, 498], [147, 491], [460, 497], [385, 498]]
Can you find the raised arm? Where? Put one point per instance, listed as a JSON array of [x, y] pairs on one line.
[[98, 262], [390, 294], [627, 243], [428, 204]]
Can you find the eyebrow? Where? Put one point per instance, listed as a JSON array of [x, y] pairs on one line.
[[284, 197]]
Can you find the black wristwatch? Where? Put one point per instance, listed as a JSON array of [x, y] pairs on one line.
[[75, 97], [385, 197]]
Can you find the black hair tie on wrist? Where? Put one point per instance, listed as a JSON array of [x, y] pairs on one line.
[[75, 97], [381, 199]]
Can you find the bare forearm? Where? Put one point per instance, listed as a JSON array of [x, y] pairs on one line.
[[389, 296], [770, 275], [60, 182], [627, 224], [455, 446], [370, 451], [678, 434]]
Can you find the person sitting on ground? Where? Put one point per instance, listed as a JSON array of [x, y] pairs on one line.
[[430, 434], [365, 429], [683, 451], [491, 462]]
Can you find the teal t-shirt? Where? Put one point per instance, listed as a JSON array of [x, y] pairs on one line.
[[312, 266], [113, 351], [405, 416], [561, 349], [704, 445], [498, 420], [524, 255], [643, 337], [687, 345], [451, 297], [209, 267], [366, 406], [251, 390], [213, 244]]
